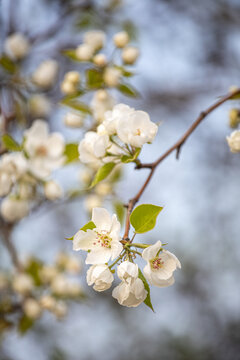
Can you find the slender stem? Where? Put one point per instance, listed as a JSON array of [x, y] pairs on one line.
[[177, 146], [141, 246], [6, 232]]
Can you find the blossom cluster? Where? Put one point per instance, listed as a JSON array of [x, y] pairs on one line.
[[23, 171], [103, 244]]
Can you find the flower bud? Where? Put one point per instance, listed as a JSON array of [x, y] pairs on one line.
[[100, 276], [73, 120], [72, 77], [84, 52], [234, 118], [13, 210], [45, 74], [103, 189], [92, 201], [111, 76], [130, 55], [53, 190], [32, 309], [234, 141], [22, 284], [48, 273], [68, 88], [39, 106], [73, 265], [95, 39], [100, 60], [60, 310], [48, 302], [59, 285], [17, 46], [121, 39]]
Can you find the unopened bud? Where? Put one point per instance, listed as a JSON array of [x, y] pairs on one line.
[[234, 118], [32, 308], [111, 76], [100, 60], [84, 52], [121, 39], [130, 55]]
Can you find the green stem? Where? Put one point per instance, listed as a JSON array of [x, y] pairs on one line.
[[136, 252], [141, 246], [116, 261]]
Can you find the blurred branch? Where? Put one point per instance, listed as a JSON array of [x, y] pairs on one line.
[[6, 238], [177, 146]]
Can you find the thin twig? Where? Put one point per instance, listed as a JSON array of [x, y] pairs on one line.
[[177, 146], [6, 236]]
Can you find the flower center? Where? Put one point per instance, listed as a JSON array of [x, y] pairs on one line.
[[138, 132], [103, 239], [157, 263], [41, 151]]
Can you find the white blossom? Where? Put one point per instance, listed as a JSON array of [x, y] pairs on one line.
[[93, 148], [17, 46], [48, 273], [45, 151], [112, 118], [136, 128], [45, 74], [121, 39], [13, 209], [53, 190], [39, 106], [59, 285], [103, 241], [100, 276], [72, 77], [160, 265], [130, 292], [95, 39], [100, 60], [234, 141], [48, 302], [68, 88], [130, 54], [22, 284]]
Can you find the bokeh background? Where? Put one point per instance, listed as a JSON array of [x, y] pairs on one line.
[[190, 55]]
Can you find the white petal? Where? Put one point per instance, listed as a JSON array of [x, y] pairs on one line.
[[101, 219], [151, 251], [83, 240], [56, 145], [98, 256]]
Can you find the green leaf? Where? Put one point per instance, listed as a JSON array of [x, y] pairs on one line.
[[144, 217], [129, 158], [68, 98], [10, 144], [94, 79], [125, 73], [8, 64], [102, 173], [71, 153], [77, 105], [147, 301], [25, 323], [71, 53], [119, 210], [90, 225], [33, 269], [128, 90]]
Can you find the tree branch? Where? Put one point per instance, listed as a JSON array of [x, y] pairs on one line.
[[6, 236], [177, 146]]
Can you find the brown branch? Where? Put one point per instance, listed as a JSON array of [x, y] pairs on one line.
[[177, 146], [6, 236]]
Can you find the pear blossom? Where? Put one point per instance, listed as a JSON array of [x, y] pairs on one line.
[[130, 292], [45, 74], [17, 46], [48, 302], [103, 241], [136, 129], [112, 118], [72, 76], [53, 190], [112, 76], [39, 106], [100, 60], [22, 284], [95, 39], [160, 265], [100, 276], [84, 52], [234, 141], [68, 88], [32, 308], [121, 39], [93, 148], [45, 151]]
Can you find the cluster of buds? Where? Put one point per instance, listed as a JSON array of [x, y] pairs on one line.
[[24, 175], [103, 243], [40, 287]]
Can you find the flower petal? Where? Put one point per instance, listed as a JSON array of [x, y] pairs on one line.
[[101, 219], [151, 251]]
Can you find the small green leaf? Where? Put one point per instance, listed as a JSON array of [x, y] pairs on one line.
[[71, 53], [124, 72], [33, 269], [8, 64], [129, 158], [94, 79], [144, 217], [68, 98], [10, 144], [90, 225], [128, 90], [25, 323], [147, 301], [71, 153], [77, 105], [102, 173]]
